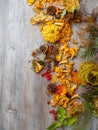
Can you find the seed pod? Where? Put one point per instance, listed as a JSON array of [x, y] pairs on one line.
[[43, 48], [51, 10]]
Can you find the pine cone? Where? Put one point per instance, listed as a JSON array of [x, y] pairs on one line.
[[51, 10], [52, 88]]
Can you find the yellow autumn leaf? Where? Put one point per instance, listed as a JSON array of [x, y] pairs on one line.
[[72, 5], [41, 17]]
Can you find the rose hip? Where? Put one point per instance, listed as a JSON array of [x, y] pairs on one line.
[[55, 117], [45, 73], [48, 102]]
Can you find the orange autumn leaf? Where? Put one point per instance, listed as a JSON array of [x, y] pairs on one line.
[[74, 41], [30, 2], [59, 89], [38, 5], [75, 77]]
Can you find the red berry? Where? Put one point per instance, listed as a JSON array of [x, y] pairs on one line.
[[48, 75], [51, 112], [48, 102], [45, 73], [48, 71], [49, 78], [55, 117]]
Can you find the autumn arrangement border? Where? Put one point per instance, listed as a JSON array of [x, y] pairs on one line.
[[54, 60]]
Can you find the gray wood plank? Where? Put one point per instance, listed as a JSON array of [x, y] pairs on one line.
[[22, 97], [22, 93], [1, 59]]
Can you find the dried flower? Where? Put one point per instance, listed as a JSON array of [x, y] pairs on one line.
[[43, 48], [68, 17], [51, 10], [52, 88]]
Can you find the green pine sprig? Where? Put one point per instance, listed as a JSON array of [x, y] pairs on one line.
[[89, 52]]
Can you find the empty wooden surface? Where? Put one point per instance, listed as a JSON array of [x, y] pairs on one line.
[[23, 99]]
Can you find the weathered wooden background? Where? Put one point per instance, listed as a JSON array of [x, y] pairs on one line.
[[23, 99]]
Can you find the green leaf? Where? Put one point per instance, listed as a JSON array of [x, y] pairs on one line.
[[54, 126], [70, 121], [61, 111], [41, 62], [63, 13], [61, 118], [61, 114]]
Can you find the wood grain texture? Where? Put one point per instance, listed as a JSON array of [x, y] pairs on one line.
[[23, 98]]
